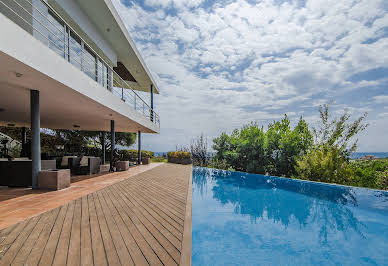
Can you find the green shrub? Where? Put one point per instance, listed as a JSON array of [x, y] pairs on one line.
[[373, 174], [324, 164], [179, 154], [131, 155], [158, 159], [219, 164]]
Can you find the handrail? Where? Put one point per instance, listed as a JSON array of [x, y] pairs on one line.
[[66, 40]]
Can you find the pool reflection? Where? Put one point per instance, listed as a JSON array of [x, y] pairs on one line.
[[258, 197], [312, 223]]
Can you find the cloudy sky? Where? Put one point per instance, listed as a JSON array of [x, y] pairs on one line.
[[221, 64]]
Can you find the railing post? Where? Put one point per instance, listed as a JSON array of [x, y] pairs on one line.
[[64, 41], [135, 101], [152, 103], [112, 145], [138, 147]]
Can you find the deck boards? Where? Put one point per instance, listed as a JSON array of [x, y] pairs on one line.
[[138, 221]]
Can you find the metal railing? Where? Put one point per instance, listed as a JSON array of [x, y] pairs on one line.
[[49, 27]]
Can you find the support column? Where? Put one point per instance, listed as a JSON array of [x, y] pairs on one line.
[[35, 136], [152, 103], [138, 147], [24, 137], [24, 140], [103, 148], [112, 143]]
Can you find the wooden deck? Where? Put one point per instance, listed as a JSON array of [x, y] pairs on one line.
[[138, 221], [18, 204]]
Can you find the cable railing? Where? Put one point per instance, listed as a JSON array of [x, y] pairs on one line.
[[45, 24]]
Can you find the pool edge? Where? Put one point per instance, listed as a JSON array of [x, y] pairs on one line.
[[187, 230]]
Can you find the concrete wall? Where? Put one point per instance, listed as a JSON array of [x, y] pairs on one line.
[[76, 13]]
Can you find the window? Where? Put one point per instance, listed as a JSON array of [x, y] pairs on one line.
[[89, 63], [56, 34], [75, 50]]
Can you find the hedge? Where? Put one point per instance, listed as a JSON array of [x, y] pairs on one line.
[[179, 154], [131, 155]]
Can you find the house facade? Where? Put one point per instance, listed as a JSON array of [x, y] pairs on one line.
[[71, 64]]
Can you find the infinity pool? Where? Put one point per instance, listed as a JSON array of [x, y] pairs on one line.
[[248, 219]]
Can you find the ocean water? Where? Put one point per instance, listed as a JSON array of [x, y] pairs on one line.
[[249, 219], [358, 155], [355, 155]]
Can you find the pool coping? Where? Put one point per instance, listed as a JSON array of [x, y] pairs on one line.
[[187, 226]]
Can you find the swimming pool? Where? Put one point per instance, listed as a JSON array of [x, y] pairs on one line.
[[248, 219]]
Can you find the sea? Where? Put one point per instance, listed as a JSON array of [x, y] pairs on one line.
[[355, 155], [358, 155]]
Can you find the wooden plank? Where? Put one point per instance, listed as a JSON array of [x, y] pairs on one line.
[[149, 220], [74, 256], [110, 249], [15, 232], [154, 204], [99, 257], [163, 219], [164, 196], [19, 241], [161, 186], [86, 240], [37, 250], [145, 248], [62, 249], [118, 241], [163, 255], [5, 232], [29, 243], [51, 245], [134, 250]]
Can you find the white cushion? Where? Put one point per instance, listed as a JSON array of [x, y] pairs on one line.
[[84, 161], [65, 160]]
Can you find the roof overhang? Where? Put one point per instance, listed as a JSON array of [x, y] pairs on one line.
[[107, 20]]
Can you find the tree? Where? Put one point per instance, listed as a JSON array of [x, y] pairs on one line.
[[255, 150], [328, 159], [198, 149], [286, 145]]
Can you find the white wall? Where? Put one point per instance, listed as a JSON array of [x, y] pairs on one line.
[[75, 12]]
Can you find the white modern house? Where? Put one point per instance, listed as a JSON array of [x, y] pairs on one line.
[[71, 64]]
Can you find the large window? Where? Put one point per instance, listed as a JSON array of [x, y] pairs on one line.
[[56, 34], [75, 50], [89, 63]]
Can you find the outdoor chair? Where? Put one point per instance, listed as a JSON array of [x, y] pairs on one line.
[[84, 165]]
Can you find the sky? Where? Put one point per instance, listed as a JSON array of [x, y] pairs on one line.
[[222, 64]]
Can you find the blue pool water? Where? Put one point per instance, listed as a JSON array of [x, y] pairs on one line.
[[248, 219]]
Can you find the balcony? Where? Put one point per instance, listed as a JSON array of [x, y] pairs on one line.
[[45, 24]]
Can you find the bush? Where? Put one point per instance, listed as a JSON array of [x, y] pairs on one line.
[[179, 154], [255, 150], [131, 155], [219, 164], [324, 165], [158, 159], [373, 174]]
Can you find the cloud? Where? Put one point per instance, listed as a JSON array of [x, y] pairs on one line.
[[381, 99], [224, 63]]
